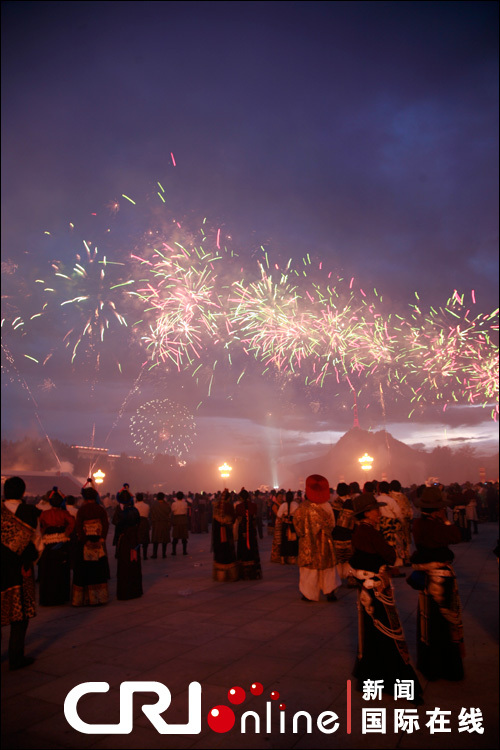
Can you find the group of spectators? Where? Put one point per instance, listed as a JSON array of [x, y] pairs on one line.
[[361, 537], [365, 538]]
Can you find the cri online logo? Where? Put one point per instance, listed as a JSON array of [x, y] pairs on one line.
[[220, 718]]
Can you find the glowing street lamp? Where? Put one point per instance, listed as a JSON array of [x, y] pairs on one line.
[[366, 462], [225, 470], [98, 476]]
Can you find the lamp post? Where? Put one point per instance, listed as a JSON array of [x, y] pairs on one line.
[[98, 476], [366, 462], [225, 470]]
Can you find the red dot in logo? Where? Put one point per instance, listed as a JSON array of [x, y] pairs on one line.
[[256, 688], [236, 695], [221, 719], [275, 695], [282, 706]]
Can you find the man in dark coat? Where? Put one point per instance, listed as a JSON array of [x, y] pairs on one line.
[[160, 518]]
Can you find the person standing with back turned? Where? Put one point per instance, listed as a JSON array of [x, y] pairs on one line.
[[180, 525], [20, 543], [160, 522], [440, 642], [313, 521]]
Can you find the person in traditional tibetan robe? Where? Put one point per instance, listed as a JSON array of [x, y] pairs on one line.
[[225, 567], [382, 650], [440, 640], [91, 567], [247, 547], [56, 527], [21, 544], [313, 521], [285, 547]]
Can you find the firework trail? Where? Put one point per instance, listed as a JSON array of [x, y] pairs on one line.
[[7, 355]]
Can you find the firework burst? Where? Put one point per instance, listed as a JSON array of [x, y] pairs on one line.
[[162, 426], [193, 308], [184, 315], [87, 300]]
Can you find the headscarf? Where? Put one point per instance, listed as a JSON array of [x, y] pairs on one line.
[[56, 498]]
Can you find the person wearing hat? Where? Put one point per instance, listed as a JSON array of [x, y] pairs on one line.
[[285, 542], [382, 650], [313, 521], [56, 526], [440, 644]]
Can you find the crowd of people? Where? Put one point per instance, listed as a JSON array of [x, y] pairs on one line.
[[359, 537]]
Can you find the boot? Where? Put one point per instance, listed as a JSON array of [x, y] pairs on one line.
[[155, 551], [145, 551], [17, 659], [184, 546], [174, 545], [164, 550]]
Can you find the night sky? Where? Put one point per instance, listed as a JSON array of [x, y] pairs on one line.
[[364, 135]]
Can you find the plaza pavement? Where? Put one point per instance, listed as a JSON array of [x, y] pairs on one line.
[[187, 627]]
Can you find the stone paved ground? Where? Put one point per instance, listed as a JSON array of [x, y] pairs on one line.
[[188, 628]]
